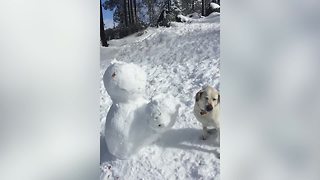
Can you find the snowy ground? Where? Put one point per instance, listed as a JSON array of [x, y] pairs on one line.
[[178, 60]]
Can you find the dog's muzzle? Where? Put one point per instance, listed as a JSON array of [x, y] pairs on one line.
[[209, 108], [203, 112]]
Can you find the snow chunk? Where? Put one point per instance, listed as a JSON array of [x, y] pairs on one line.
[[163, 110]]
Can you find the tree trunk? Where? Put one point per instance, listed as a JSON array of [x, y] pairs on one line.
[[135, 11], [203, 7], [192, 5], [103, 38], [129, 11], [125, 13], [150, 12]]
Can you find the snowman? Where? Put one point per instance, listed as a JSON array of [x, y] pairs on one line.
[[132, 122]]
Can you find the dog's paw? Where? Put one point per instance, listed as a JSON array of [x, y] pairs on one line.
[[203, 137], [216, 153], [212, 131]]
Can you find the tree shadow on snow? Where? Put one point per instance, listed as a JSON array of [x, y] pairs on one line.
[[190, 139]]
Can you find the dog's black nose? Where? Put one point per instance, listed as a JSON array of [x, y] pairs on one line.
[[209, 107]]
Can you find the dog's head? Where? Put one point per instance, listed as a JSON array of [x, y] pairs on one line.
[[207, 98]]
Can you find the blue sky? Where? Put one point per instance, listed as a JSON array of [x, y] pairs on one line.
[[107, 17]]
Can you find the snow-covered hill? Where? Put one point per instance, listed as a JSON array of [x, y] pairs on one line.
[[178, 61]]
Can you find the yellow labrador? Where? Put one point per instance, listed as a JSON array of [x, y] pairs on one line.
[[206, 109]]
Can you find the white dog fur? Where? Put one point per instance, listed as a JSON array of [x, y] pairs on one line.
[[206, 109]]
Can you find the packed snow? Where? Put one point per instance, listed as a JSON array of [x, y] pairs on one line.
[[177, 62]]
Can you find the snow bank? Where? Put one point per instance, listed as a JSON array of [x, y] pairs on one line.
[[184, 18], [214, 6], [194, 15]]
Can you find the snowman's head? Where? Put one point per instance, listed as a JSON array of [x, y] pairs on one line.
[[162, 115], [124, 81]]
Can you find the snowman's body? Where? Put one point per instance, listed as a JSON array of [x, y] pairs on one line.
[[131, 120], [118, 130]]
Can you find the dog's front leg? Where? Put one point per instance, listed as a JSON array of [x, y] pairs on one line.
[[205, 133], [218, 136]]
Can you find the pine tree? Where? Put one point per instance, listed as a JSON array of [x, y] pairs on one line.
[[103, 38]]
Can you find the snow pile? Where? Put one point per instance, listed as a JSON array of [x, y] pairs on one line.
[[194, 15], [184, 18], [177, 61], [132, 123], [214, 5], [163, 110]]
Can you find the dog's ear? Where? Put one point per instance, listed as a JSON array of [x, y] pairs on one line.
[[198, 95], [219, 98]]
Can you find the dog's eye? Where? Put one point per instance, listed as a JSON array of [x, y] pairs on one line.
[[214, 99], [207, 98]]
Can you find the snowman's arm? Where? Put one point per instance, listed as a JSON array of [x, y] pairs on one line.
[[174, 116]]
